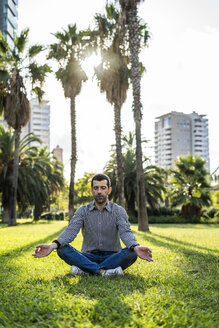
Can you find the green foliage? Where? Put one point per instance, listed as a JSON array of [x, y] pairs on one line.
[[40, 176], [49, 216], [18, 64], [179, 289], [215, 198], [68, 52], [190, 185], [82, 189]]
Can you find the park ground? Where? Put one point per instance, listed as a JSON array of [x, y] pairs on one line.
[[179, 289]]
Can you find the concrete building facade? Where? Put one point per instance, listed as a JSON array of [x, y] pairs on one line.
[[179, 134], [8, 19]]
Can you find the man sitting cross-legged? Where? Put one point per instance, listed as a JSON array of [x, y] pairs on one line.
[[103, 223]]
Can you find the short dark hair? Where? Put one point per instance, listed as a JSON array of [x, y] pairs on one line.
[[101, 177]]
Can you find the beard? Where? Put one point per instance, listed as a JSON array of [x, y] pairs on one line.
[[100, 199]]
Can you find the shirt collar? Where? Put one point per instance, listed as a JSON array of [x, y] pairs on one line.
[[107, 206]]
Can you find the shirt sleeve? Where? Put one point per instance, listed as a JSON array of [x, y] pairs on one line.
[[70, 233], [124, 229]]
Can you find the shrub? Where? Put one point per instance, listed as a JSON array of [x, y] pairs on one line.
[[211, 213], [49, 216]]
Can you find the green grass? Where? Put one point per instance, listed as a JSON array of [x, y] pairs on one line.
[[179, 289]]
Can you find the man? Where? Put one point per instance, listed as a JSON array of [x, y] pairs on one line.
[[103, 223]]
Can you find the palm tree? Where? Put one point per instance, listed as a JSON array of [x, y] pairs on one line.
[[68, 52], [190, 186], [17, 66], [39, 175], [6, 164], [113, 78], [129, 8], [7, 148], [153, 179]]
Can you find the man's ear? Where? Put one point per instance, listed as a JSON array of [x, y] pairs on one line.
[[91, 190], [110, 189]]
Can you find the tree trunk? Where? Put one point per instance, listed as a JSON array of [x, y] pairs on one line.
[[131, 206], [5, 214], [73, 158], [13, 215], [136, 88], [37, 213], [119, 158]]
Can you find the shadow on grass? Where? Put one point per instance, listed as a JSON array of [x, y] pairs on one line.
[[177, 246], [179, 242], [104, 296], [33, 223], [28, 247], [184, 225]]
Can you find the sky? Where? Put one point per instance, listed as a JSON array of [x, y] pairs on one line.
[[182, 74]]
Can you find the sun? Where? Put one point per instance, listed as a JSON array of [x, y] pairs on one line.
[[89, 63]]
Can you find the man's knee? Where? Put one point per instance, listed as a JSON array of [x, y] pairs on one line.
[[130, 254]]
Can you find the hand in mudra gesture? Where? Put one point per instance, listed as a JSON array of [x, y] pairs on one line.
[[144, 253], [43, 250]]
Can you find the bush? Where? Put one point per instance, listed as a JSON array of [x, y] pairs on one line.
[[49, 216], [163, 211], [133, 219], [167, 219], [211, 213]]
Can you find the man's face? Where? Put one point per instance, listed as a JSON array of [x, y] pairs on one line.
[[100, 191]]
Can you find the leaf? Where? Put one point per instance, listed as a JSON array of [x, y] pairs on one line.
[[39, 92], [35, 50], [4, 76], [21, 40]]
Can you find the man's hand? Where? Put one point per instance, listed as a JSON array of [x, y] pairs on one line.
[[44, 250], [144, 253]]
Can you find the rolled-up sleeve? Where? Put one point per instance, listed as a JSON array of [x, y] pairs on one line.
[[70, 233], [124, 229]]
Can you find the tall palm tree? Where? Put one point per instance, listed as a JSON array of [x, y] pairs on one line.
[[113, 78], [17, 66], [68, 52], [129, 8], [6, 164], [190, 184]]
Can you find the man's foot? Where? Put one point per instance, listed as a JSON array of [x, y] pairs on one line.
[[75, 271], [113, 272]]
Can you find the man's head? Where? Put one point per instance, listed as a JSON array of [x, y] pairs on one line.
[[100, 188]]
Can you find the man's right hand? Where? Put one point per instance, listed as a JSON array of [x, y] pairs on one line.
[[43, 250]]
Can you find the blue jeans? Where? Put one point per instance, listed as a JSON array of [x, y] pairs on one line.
[[93, 262]]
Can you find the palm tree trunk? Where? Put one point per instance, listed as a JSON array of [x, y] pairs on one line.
[[119, 158], [13, 215], [73, 158], [136, 89]]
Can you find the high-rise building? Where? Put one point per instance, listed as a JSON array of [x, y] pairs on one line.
[[39, 123], [8, 19], [179, 134]]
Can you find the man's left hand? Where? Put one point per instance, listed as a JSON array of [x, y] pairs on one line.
[[144, 253]]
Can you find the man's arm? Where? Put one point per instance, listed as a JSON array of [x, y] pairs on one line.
[[67, 236], [128, 237]]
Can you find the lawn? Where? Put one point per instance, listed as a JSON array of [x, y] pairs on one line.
[[179, 289]]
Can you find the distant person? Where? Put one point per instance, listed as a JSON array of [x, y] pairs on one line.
[[103, 223]]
